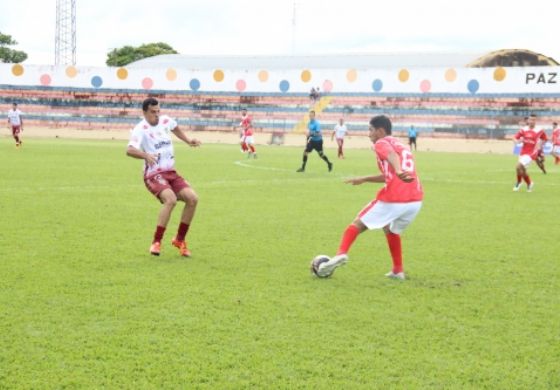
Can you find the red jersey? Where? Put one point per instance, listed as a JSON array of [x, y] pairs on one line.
[[396, 190], [246, 125], [530, 137], [556, 136]]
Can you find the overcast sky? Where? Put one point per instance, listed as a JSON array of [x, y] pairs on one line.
[[266, 27]]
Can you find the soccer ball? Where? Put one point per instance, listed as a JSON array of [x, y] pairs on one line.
[[316, 262]]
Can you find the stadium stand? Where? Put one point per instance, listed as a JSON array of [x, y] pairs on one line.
[[494, 116]]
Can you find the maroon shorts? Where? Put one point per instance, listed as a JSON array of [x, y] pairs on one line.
[[16, 129], [161, 181]]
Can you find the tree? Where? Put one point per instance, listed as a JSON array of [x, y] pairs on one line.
[[10, 55], [127, 54]]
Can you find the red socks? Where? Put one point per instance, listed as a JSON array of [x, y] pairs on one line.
[[348, 238], [158, 234], [394, 241], [244, 147], [182, 232]]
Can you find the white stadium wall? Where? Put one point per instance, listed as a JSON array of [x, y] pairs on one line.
[[470, 81]]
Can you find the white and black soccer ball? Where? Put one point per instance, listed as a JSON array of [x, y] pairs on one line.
[[316, 263]]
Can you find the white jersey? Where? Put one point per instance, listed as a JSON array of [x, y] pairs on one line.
[[155, 140], [14, 116], [340, 131]]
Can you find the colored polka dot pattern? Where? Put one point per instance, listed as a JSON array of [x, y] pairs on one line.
[[96, 81], [71, 71], [122, 73], [425, 86], [473, 86], [147, 83], [240, 85], [263, 76], [352, 75], [284, 85], [171, 74], [499, 74], [45, 79], [194, 85], [17, 70], [219, 75], [404, 75], [450, 75]]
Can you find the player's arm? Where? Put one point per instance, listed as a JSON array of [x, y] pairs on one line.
[[394, 160], [183, 137], [133, 152], [356, 181]]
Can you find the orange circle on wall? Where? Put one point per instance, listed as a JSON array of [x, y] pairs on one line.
[[171, 74], [218, 75], [404, 75], [17, 70], [305, 76], [71, 71], [450, 75], [122, 73], [263, 76], [352, 75], [499, 74]]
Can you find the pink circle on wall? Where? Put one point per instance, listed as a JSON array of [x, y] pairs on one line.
[[241, 85], [147, 83], [327, 85], [425, 86], [45, 79]]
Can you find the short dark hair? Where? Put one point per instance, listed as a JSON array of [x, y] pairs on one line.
[[149, 102], [381, 121], [533, 115], [243, 109], [555, 123], [312, 111]]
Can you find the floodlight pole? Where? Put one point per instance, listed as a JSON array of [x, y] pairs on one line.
[[65, 34]]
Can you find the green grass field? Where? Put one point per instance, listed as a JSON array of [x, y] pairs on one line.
[[84, 305]]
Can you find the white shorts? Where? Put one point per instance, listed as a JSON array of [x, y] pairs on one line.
[[398, 216], [249, 140], [525, 160], [556, 150]]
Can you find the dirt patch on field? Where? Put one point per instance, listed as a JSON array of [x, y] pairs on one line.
[[460, 145]]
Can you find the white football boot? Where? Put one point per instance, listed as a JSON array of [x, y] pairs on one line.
[[392, 275], [327, 269]]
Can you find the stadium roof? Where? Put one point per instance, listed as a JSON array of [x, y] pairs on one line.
[[358, 61], [505, 57]]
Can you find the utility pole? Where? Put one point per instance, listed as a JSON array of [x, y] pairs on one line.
[[65, 35]]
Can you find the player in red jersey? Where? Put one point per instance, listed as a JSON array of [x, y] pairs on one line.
[[150, 140], [16, 123], [556, 143], [247, 140], [396, 204], [532, 139]]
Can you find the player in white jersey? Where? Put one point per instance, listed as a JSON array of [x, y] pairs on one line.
[[150, 141], [16, 123], [339, 132]]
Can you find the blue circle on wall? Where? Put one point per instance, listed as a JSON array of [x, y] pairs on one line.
[[473, 86], [377, 85], [284, 85], [96, 81], [194, 84]]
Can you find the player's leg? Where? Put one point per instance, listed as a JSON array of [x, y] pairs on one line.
[[15, 134], [190, 198], [304, 158], [319, 149], [393, 231], [251, 145], [168, 201]]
